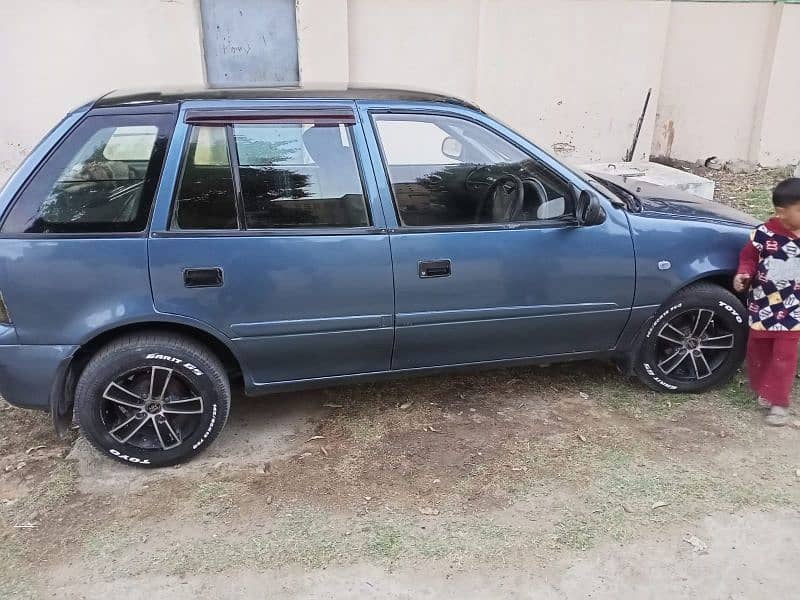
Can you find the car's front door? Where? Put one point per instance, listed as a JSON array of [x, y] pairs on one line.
[[489, 262], [271, 239]]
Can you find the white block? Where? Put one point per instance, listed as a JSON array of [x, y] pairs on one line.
[[655, 173]]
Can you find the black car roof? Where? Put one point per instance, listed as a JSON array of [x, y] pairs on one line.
[[119, 98]]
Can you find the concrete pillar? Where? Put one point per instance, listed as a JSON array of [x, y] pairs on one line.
[[764, 82], [323, 41], [776, 139]]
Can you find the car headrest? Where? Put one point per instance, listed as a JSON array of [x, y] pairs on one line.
[[324, 144]]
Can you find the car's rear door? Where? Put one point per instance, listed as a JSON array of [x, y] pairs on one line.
[[473, 284], [274, 236], [73, 245]]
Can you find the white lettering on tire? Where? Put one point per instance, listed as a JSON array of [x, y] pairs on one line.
[[732, 310], [177, 361], [130, 459], [657, 379], [210, 427], [661, 318]]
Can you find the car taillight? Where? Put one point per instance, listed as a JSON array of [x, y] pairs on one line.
[[4, 316]]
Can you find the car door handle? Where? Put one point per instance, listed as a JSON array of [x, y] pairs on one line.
[[195, 278], [435, 268]]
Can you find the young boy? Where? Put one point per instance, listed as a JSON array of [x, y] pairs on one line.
[[769, 266]]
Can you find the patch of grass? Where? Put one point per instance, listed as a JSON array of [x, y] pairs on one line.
[[311, 539], [385, 542], [15, 580], [50, 494], [627, 492], [474, 479], [105, 540], [216, 498], [611, 390], [758, 202], [639, 484], [365, 431], [737, 393], [61, 484], [579, 532], [211, 492], [457, 541]]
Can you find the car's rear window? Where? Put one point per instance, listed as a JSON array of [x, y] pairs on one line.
[[206, 197], [100, 179], [291, 175]]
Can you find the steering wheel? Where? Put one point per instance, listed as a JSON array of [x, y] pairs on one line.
[[505, 197]]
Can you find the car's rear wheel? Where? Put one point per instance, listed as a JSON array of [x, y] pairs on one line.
[[152, 400], [696, 342]]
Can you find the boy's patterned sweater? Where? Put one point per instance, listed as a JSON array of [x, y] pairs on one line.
[[772, 260]]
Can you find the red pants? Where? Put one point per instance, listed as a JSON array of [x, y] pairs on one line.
[[771, 366]]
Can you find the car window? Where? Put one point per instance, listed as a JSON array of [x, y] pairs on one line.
[[100, 179], [299, 175], [131, 143], [426, 149], [448, 171], [205, 198]]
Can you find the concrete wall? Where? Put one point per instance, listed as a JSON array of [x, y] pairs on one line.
[[570, 74], [779, 140], [573, 75], [429, 44], [55, 55], [524, 61], [715, 55], [322, 38]]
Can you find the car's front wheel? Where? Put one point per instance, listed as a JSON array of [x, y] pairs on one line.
[[152, 400], [696, 341]]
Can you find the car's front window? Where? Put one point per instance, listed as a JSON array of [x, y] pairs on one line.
[[448, 171]]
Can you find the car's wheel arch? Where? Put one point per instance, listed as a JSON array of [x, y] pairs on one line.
[[61, 396], [722, 278], [627, 352]]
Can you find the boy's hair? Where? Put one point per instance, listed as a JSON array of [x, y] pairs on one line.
[[786, 193]]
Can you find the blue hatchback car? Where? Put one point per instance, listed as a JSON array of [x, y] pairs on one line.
[[157, 247]]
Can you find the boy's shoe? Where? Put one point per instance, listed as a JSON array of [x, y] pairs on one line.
[[778, 416], [763, 402]]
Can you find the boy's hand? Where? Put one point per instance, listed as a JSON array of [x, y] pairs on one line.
[[741, 282]]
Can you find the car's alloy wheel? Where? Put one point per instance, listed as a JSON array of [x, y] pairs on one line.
[[151, 408], [152, 400], [692, 345], [696, 341]]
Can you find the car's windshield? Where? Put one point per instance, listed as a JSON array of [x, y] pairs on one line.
[[478, 145]]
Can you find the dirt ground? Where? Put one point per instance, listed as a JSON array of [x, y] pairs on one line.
[[558, 482]]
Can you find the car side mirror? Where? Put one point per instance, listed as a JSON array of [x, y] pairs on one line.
[[452, 148], [588, 210]]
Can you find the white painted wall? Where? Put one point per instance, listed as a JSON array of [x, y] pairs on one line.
[[573, 75], [715, 56], [428, 44], [55, 55], [779, 141], [570, 74], [322, 38]]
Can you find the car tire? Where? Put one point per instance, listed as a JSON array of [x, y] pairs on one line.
[[152, 400], [685, 348]]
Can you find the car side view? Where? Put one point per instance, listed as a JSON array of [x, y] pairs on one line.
[[158, 248]]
